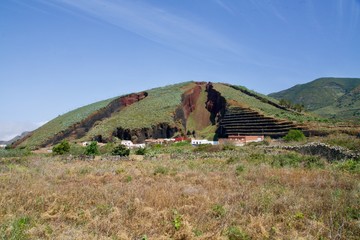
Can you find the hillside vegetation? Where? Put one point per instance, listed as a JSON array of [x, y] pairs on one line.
[[63, 122], [329, 97], [160, 112], [158, 107]]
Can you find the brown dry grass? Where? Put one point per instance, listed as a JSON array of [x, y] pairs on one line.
[[147, 199]]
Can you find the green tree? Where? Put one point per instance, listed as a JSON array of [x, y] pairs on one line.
[[92, 149], [120, 150], [61, 148], [295, 135]]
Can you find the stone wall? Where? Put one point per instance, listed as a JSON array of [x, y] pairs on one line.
[[331, 153]]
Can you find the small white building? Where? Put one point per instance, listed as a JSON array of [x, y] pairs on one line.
[[129, 144], [203, 141], [2, 145]]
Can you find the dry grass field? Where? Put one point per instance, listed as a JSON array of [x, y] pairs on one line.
[[241, 194]]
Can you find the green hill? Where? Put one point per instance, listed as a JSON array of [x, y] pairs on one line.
[[170, 111], [329, 97]]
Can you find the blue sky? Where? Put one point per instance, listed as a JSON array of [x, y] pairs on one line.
[[57, 55]]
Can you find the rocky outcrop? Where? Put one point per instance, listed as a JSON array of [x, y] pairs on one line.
[[161, 130], [189, 99], [215, 104]]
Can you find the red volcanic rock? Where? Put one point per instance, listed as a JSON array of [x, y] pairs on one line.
[[189, 100], [132, 98]]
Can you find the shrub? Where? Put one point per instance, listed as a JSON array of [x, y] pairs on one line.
[[207, 148], [107, 148], [343, 140], [294, 135], [286, 160], [14, 152], [76, 149], [232, 160], [15, 230], [61, 148], [228, 146], [177, 219], [218, 210], [182, 144], [161, 170], [235, 233], [352, 166], [239, 169], [91, 149], [140, 151], [120, 150]]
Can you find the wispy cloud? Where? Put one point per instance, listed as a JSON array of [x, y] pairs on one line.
[[182, 33], [225, 6], [268, 7], [152, 23]]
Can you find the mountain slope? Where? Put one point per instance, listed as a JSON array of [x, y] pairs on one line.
[[329, 97], [195, 107]]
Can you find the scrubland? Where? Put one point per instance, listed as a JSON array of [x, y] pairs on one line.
[[252, 192]]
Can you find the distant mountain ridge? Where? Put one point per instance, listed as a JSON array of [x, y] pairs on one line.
[[337, 98], [14, 139]]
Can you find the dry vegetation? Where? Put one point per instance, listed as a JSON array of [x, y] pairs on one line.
[[237, 194]]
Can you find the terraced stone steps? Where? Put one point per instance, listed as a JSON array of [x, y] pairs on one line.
[[244, 121]]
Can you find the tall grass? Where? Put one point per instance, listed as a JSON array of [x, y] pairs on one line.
[[256, 195]]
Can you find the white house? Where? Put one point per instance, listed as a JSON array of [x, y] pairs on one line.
[[202, 141], [2, 145], [129, 144]]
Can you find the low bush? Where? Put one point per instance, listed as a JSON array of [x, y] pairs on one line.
[[140, 151], [352, 166], [15, 230], [295, 135], [92, 149], [207, 148], [161, 170], [76, 149], [343, 140], [239, 169], [61, 148], [286, 160], [234, 233], [120, 150], [218, 211], [228, 147], [181, 144], [14, 152]]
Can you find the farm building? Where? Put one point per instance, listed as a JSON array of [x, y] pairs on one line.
[[240, 140]]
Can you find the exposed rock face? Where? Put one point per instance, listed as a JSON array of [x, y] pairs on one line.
[[189, 99], [215, 104], [132, 98], [162, 130]]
